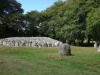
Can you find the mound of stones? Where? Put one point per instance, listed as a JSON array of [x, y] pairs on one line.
[[30, 42]]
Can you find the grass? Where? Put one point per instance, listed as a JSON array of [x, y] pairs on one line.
[[46, 61]]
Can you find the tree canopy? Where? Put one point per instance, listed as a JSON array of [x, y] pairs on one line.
[[93, 24], [10, 17], [71, 21]]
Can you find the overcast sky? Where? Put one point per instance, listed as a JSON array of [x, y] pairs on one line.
[[38, 5]]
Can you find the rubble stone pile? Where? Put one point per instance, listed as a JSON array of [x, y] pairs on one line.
[[30, 42]]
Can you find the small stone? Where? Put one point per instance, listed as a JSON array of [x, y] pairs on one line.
[[0, 61], [98, 49]]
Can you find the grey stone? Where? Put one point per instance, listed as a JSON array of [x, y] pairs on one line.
[[95, 45], [30, 41], [65, 49], [99, 48], [44, 44], [4, 43], [33, 44], [16, 44]]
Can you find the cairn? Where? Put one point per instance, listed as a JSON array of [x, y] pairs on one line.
[[30, 42]]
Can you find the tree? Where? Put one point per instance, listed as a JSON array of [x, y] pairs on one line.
[[9, 7], [93, 24], [51, 23], [75, 13], [34, 20], [15, 25], [9, 10]]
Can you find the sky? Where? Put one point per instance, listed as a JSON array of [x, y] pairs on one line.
[[39, 5]]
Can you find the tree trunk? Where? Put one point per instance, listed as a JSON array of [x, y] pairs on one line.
[[88, 40]]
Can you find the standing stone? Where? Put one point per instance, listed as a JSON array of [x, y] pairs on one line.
[[65, 49], [99, 48], [95, 45]]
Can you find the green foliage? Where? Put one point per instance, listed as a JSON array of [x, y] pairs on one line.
[[9, 7], [10, 18], [69, 20], [34, 19], [53, 20], [93, 23]]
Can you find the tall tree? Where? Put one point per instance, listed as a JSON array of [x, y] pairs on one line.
[[93, 24], [9, 9], [52, 20], [34, 21]]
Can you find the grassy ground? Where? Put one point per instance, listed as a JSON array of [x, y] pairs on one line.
[[46, 61]]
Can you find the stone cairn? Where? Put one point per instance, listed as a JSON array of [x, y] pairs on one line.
[[30, 42]]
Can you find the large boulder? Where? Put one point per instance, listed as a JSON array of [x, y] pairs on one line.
[[65, 49]]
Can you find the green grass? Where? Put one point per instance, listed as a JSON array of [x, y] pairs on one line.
[[46, 61]]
